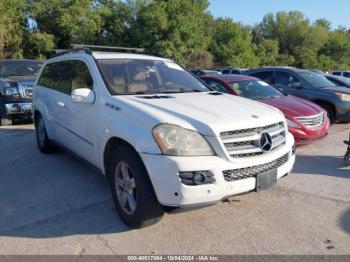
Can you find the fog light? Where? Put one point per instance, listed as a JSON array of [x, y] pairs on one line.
[[194, 178]]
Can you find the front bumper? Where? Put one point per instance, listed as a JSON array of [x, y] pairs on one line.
[[305, 135], [164, 174], [18, 109]]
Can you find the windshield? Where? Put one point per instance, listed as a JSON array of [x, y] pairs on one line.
[[254, 89], [136, 76], [316, 80], [19, 68]]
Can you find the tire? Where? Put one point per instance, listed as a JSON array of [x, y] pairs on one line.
[[6, 121], [43, 141], [132, 191], [330, 111]]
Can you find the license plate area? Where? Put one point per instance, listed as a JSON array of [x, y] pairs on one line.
[[266, 180]]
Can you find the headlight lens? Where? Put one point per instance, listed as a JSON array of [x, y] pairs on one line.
[[343, 97], [174, 140], [292, 124], [9, 91]]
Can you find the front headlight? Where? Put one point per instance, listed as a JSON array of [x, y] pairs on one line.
[[292, 124], [343, 97], [9, 91], [174, 140]]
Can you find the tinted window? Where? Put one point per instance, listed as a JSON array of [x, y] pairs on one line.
[[216, 86], [19, 68], [267, 76], [58, 76], [136, 76], [82, 77], [226, 72], [346, 74], [284, 79], [336, 73], [255, 89]]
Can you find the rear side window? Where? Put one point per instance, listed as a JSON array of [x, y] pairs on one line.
[[65, 76], [346, 74], [267, 76]]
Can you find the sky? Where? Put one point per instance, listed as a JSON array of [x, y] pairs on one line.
[[251, 12]]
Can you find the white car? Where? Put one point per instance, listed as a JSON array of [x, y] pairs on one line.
[[160, 135]]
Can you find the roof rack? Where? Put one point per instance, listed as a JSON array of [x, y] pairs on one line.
[[89, 48]]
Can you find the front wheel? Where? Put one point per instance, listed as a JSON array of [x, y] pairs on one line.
[[132, 191], [330, 112]]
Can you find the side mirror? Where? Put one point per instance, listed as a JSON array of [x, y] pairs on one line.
[[83, 95]]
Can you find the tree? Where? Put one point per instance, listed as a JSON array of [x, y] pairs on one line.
[[231, 45]]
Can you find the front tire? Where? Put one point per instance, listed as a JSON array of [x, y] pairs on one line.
[[330, 112], [132, 191], [43, 141]]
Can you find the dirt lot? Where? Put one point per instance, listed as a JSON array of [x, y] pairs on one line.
[[57, 205]]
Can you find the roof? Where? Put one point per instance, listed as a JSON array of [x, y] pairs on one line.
[[231, 78], [116, 55], [22, 60]]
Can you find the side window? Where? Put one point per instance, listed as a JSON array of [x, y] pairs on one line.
[[266, 76], [57, 76], [216, 86], [47, 77], [284, 79], [226, 72], [81, 76], [63, 76], [346, 74], [336, 73]]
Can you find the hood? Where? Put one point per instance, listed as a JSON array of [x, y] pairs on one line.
[[338, 89], [207, 113], [20, 78], [292, 106]]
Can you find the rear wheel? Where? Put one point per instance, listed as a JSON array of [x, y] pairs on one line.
[[43, 141], [132, 191], [330, 111]]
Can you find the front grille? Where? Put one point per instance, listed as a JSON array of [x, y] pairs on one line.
[[237, 174], [246, 142], [25, 90], [312, 121]]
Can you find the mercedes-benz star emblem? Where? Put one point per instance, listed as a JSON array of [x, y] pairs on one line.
[[265, 142]]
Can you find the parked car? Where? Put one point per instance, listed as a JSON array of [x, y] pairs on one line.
[[232, 71], [339, 80], [341, 73], [310, 86], [158, 133], [202, 72], [306, 120], [16, 86]]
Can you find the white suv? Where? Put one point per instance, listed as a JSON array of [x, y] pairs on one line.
[[158, 133]]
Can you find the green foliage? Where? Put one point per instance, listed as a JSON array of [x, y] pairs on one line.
[[179, 29]]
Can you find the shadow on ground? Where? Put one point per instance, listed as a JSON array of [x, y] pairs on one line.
[[47, 196], [321, 165], [345, 221]]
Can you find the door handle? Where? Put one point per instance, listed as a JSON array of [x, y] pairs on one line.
[[62, 104]]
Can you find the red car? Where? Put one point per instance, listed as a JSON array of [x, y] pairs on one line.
[[306, 121]]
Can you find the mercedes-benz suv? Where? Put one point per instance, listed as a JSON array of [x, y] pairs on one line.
[[158, 133]]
